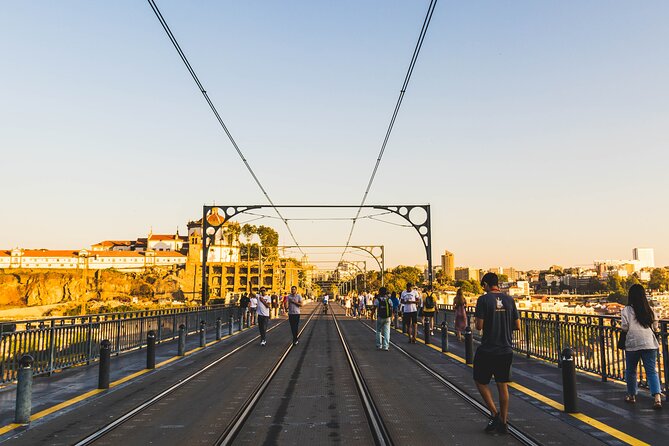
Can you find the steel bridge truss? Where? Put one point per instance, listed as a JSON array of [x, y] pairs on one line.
[[215, 216]]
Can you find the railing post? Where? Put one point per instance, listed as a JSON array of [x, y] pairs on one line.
[[203, 333], [104, 366], [181, 349], [160, 329], [118, 335], [558, 341], [89, 352], [665, 356], [231, 324], [24, 390], [469, 346], [570, 396], [219, 328], [174, 325], [444, 336], [52, 346], [527, 336], [602, 350], [151, 350]]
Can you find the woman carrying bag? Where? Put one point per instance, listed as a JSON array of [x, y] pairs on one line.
[[460, 306], [638, 322]]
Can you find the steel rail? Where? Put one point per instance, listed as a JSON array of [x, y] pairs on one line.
[[379, 431], [130, 414], [514, 431], [235, 426]]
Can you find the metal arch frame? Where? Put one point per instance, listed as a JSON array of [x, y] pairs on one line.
[[423, 228], [360, 271], [369, 249]]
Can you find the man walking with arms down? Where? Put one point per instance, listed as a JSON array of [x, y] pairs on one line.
[[264, 302], [497, 315], [294, 303], [411, 302], [384, 312]]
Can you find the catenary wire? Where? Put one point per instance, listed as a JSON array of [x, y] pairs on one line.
[[398, 104], [190, 69]]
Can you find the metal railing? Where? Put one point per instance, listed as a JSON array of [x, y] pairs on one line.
[[64, 342], [593, 338]]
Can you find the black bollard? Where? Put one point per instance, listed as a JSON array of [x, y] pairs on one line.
[[24, 390], [151, 350], [426, 329], [203, 333], [104, 366], [469, 346], [569, 381], [181, 349], [219, 329], [231, 325], [444, 336]]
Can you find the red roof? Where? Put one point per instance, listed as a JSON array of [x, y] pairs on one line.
[[160, 237], [50, 253], [114, 243], [5, 254]]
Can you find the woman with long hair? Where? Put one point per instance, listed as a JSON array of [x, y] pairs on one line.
[[460, 307], [638, 321]]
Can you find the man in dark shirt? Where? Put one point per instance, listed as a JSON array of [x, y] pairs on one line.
[[497, 315]]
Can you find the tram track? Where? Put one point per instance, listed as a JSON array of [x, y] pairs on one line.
[[379, 431], [237, 423], [515, 432], [130, 414]]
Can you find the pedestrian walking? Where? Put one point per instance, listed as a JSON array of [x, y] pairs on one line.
[[411, 301], [384, 313], [264, 303], [638, 324], [244, 305], [361, 305], [294, 303], [347, 305], [396, 307], [275, 305], [497, 315], [429, 310], [253, 308], [460, 307], [369, 305]]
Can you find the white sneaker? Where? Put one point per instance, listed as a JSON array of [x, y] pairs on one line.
[[263, 342]]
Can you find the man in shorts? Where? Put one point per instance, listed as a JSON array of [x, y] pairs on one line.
[[497, 315], [411, 301]]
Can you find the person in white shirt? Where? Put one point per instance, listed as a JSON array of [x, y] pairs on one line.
[[264, 302], [294, 301], [253, 307], [410, 301], [638, 322]]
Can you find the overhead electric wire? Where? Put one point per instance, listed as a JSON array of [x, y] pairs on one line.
[[190, 69], [407, 78]]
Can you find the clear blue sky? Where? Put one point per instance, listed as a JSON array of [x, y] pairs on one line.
[[538, 131]]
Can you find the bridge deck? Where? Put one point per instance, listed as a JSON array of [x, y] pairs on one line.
[[313, 398]]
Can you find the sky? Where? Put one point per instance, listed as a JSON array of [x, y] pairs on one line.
[[536, 131]]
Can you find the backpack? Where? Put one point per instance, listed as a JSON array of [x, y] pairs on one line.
[[385, 308], [429, 303]]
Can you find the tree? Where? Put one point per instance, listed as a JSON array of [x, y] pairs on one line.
[[659, 279], [466, 286]]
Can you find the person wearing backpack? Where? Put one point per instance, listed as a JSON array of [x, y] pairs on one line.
[[429, 310], [384, 313]]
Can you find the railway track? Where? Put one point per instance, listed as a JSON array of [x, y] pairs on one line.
[[119, 421], [516, 433]]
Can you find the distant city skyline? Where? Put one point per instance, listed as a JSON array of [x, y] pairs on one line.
[[537, 131]]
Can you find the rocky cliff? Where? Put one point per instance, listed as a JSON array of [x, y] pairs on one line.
[[34, 287]]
